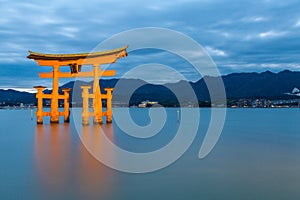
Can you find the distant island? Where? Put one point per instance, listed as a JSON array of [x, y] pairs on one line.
[[266, 89]]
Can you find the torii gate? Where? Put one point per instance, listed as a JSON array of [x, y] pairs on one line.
[[76, 61]]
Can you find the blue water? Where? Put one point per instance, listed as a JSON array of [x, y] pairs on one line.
[[256, 157]]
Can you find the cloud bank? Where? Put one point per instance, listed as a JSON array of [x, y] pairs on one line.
[[240, 36]]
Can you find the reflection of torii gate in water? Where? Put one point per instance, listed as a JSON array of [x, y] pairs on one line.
[[76, 61]]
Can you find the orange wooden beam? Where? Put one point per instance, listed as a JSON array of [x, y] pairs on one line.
[[79, 74]]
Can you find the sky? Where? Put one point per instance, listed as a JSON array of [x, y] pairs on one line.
[[240, 36]]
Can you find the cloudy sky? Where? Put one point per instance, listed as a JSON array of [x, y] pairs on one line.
[[240, 36]]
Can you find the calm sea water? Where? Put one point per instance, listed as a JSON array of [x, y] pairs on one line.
[[256, 157]]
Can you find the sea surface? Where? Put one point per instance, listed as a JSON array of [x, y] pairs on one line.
[[256, 157]]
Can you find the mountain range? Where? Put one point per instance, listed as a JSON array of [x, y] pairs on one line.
[[254, 85]]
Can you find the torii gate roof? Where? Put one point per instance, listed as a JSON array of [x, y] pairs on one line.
[[65, 57]]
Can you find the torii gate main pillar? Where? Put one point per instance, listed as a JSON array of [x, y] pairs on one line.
[[54, 117]]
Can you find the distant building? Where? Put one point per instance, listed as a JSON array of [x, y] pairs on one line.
[[147, 103], [295, 91]]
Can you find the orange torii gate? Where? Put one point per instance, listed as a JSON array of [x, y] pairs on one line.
[[76, 61]]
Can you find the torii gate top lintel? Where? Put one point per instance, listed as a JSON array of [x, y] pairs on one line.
[[103, 57]]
